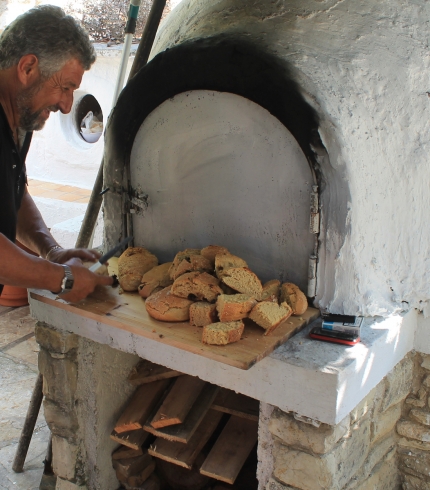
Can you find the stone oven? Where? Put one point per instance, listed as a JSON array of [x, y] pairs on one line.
[[295, 134]]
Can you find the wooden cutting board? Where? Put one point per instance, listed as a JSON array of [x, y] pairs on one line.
[[127, 312]]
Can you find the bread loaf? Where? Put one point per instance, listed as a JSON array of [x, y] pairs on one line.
[[243, 280], [197, 286], [179, 257], [202, 313], [234, 307], [271, 291], [192, 263], [222, 333], [132, 265], [166, 307], [224, 262], [296, 299], [157, 277], [211, 251], [269, 315]]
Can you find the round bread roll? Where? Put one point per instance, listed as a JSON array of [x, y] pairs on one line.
[[157, 277], [132, 265], [296, 299], [166, 307]]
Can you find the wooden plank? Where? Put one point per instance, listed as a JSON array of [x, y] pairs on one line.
[[133, 439], [184, 432], [178, 402], [141, 405], [228, 401], [124, 452], [127, 312], [142, 466], [147, 371], [185, 454], [231, 449]]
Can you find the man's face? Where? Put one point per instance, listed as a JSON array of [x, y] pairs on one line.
[[35, 103]]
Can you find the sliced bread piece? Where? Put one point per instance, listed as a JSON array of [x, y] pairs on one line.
[[211, 251], [271, 291], [202, 313], [197, 286], [180, 256], [232, 307], [222, 333], [157, 277], [193, 263], [270, 315], [224, 262], [167, 307], [296, 299], [132, 265], [243, 280]]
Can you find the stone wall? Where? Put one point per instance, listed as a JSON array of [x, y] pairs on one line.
[[362, 452], [414, 430], [383, 444]]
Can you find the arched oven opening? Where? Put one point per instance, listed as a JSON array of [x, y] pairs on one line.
[[242, 177]]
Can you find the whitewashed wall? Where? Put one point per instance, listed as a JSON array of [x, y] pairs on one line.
[[57, 156], [364, 66]]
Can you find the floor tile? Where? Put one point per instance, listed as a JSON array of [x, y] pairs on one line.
[[15, 324], [84, 200], [70, 197], [82, 192], [27, 351], [35, 183]]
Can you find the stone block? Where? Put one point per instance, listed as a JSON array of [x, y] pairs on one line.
[[425, 363], [275, 485], [60, 378], [370, 402], [68, 485], [384, 476], [64, 457], [415, 462], [330, 471], [398, 383], [426, 381], [298, 434], [384, 422], [419, 400], [55, 340], [410, 482], [412, 430], [63, 423], [410, 443], [420, 416]]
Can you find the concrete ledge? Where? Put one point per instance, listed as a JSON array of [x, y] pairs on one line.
[[314, 379]]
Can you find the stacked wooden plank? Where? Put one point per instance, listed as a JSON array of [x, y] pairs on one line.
[[172, 417]]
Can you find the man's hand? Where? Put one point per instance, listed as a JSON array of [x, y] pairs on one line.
[[85, 281], [61, 256]]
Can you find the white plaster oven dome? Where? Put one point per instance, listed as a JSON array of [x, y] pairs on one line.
[[367, 84]]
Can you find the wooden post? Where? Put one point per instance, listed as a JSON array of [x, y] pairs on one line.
[[30, 422]]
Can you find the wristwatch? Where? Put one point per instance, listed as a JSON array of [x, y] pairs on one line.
[[67, 282]]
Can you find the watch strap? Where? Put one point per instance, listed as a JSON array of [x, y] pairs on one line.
[[67, 281]]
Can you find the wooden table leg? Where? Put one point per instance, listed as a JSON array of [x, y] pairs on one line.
[[30, 422]]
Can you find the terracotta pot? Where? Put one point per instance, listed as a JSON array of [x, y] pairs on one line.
[[13, 295]]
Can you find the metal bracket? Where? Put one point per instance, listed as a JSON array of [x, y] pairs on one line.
[[135, 201], [315, 212]]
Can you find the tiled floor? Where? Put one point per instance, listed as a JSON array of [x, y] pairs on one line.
[[58, 191], [18, 373]]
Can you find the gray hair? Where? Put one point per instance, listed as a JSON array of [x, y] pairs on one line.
[[51, 35]]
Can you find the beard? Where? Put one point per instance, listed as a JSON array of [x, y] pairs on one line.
[[30, 120]]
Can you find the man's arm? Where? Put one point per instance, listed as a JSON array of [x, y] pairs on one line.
[[34, 234], [17, 268]]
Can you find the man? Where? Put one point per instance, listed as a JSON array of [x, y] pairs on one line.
[[43, 56]]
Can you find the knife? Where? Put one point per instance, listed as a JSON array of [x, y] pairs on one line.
[[104, 258]]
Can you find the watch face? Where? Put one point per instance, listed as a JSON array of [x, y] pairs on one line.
[[68, 283]]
